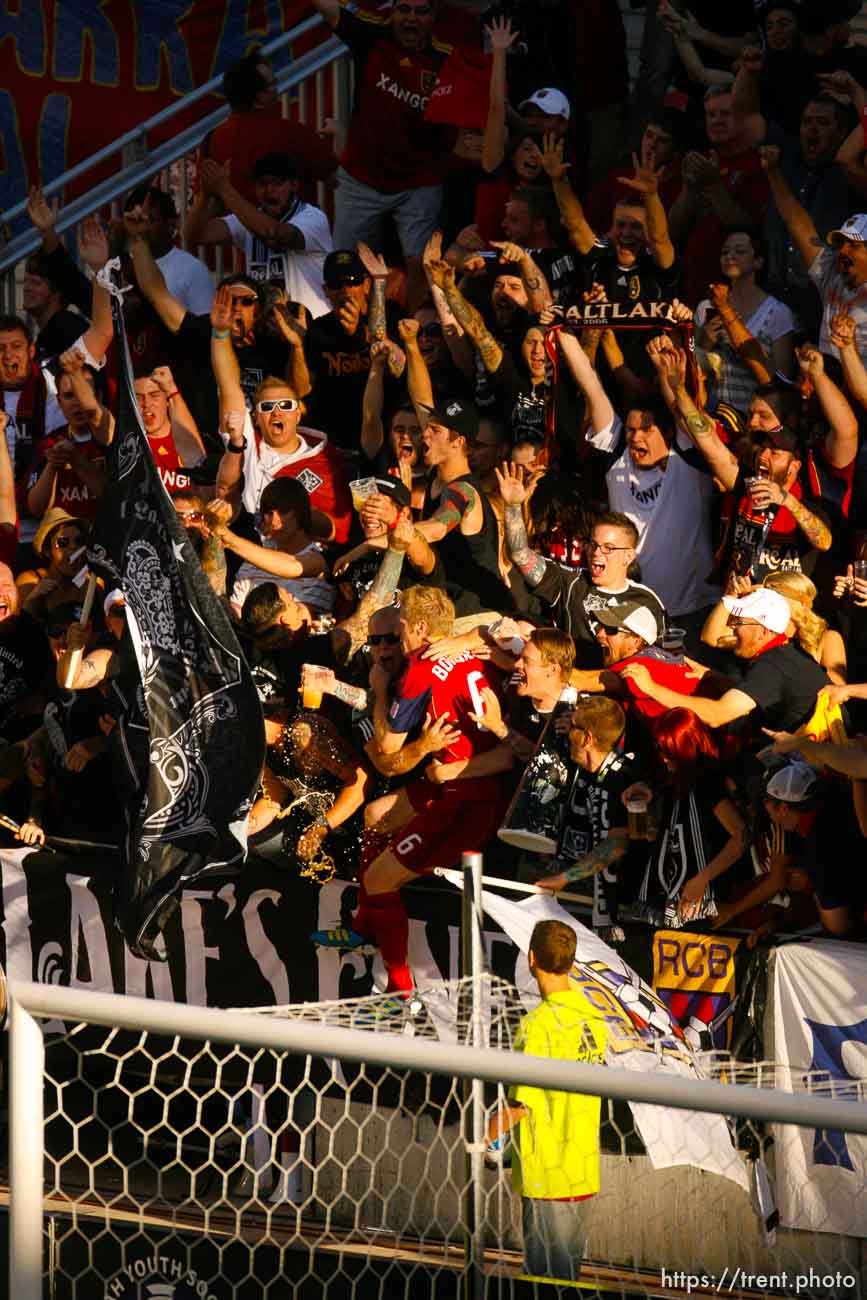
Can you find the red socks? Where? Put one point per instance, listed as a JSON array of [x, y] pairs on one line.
[[372, 844], [390, 926]]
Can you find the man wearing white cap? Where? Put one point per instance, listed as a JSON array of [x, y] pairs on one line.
[[838, 269], [780, 682], [547, 110]]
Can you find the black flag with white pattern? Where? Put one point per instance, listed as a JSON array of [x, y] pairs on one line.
[[190, 736]]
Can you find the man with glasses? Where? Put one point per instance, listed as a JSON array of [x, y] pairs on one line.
[[780, 681], [394, 160], [576, 594]]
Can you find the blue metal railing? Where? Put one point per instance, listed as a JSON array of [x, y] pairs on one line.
[[313, 61]]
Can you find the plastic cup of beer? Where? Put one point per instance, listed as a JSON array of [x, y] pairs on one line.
[[311, 693], [637, 816], [673, 639], [361, 489]]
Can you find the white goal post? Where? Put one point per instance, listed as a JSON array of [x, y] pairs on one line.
[[32, 1003]]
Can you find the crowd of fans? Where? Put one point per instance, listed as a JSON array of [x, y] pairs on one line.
[[440, 504]]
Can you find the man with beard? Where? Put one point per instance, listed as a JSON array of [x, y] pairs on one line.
[[771, 526], [337, 346], [838, 270], [284, 239]]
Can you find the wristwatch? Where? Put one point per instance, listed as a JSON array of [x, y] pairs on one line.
[[237, 451]]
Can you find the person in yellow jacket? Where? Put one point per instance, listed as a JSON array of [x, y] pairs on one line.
[[555, 1168]]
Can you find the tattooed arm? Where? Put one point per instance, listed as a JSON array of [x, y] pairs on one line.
[[457, 502], [538, 292], [350, 635], [531, 564], [599, 858], [817, 531], [700, 426], [213, 562], [443, 276]]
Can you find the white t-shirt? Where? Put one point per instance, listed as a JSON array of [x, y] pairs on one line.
[[836, 298], [188, 280], [317, 593], [301, 271], [671, 508], [769, 322]]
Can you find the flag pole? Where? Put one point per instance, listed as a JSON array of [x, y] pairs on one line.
[[76, 656]]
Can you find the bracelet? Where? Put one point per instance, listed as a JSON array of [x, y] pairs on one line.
[[171, 395], [220, 334], [237, 451]]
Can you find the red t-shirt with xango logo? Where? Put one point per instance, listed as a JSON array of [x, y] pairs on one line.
[[175, 478], [390, 146]]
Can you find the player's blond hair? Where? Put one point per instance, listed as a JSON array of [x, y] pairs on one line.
[[431, 606]]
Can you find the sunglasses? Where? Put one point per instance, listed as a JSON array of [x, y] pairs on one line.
[[243, 299], [278, 403], [66, 543], [383, 638]]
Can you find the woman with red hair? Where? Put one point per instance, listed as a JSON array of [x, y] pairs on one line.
[[700, 833]]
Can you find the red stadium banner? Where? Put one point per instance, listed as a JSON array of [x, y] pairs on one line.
[[78, 74]]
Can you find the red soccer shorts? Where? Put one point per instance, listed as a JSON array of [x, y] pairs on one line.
[[447, 823]]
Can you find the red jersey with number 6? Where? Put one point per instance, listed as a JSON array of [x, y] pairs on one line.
[[452, 688]]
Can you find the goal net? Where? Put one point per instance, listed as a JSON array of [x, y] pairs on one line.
[[187, 1167]]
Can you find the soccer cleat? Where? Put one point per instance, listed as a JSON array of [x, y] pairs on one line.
[[341, 939]]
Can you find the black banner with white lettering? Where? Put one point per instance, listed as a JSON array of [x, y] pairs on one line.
[[191, 735]]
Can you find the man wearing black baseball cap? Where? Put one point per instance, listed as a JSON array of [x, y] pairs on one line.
[[458, 519], [337, 348], [769, 524]]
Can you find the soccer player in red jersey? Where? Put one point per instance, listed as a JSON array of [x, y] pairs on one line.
[[423, 825]]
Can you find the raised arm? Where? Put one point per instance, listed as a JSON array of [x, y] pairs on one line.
[[351, 634], [372, 431], [645, 181], [538, 292], [581, 233], [494, 143], [700, 426], [204, 222], [185, 431], [513, 492], [233, 406], [148, 275], [467, 317], [797, 219], [216, 179], [599, 406], [748, 348], [854, 372], [841, 441], [418, 380], [8, 507], [747, 90]]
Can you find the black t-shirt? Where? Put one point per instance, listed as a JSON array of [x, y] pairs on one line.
[[561, 269], [471, 561], [518, 403], [263, 357], [58, 334], [573, 599], [644, 281], [286, 663], [26, 664], [759, 544], [339, 364], [784, 683]]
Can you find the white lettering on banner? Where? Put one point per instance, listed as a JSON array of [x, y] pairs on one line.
[[195, 951], [87, 930], [147, 979], [267, 958], [400, 93], [16, 918]]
